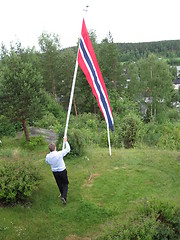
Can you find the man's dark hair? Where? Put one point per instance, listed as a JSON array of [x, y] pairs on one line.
[[51, 147]]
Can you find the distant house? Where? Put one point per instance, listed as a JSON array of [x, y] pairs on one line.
[[176, 83]]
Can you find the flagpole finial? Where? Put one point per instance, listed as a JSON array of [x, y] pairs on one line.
[[86, 8]]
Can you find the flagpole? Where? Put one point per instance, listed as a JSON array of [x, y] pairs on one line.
[[71, 99], [109, 140], [72, 91]]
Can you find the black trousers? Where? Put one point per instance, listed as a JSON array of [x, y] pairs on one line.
[[62, 182]]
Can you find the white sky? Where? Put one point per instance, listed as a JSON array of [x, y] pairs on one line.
[[127, 20]]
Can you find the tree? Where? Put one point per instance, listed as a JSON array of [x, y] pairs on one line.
[[112, 70], [108, 61], [85, 99], [156, 80], [50, 46], [21, 89], [66, 72], [134, 85]]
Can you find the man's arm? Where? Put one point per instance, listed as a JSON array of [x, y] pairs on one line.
[[67, 149], [46, 160]]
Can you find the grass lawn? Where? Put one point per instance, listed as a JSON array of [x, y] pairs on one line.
[[95, 206]]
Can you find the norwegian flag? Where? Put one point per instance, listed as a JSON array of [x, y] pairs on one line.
[[89, 65]]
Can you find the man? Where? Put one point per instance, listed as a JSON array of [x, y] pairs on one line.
[[55, 160]]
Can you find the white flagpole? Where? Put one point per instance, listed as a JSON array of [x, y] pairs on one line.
[[109, 140], [71, 99], [72, 92]]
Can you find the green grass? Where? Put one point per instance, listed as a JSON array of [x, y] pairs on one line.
[[118, 185]]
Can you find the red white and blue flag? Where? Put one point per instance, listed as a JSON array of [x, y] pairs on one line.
[[89, 65]]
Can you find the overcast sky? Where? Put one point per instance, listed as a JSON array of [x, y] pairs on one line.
[[127, 20]]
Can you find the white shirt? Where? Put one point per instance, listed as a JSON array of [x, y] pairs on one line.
[[55, 159]]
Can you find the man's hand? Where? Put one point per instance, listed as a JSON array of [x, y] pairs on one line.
[[65, 139]]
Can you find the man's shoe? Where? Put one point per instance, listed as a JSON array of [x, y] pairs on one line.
[[63, 200]]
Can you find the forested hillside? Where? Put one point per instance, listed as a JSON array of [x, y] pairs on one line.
[[169, 49], [134, 51]]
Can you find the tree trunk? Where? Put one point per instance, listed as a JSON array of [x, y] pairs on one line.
[[25, 130]]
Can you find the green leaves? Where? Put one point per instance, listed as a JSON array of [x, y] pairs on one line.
[[154, 220], [22, 91], [18, 180]]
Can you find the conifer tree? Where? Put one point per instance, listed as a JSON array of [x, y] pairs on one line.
[[22, 95]]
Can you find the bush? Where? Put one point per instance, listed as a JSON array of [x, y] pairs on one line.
[[18, 180], [173, 115], [154, 220], [83, 130], [54, 115], [76, 141], [130, 126], [151, 134], [170, 136], [88, 124], [85, 120], [103, 138], [36, 141], [48, 121], [165, 136], [6, 127], [55, 108], [116, 137]]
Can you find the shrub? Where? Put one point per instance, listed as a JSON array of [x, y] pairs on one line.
[[88, 124], [116, 137], [55, 108], [54, 114], [167, 218], [170, 136], [48, 121], [83, 130], [36, 141], [103, 139], [173, 115], [165, 136], [76, 141], [18, 180], [85, 121], [6, 127], [130, 126], [154, 220], [151, 134]]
